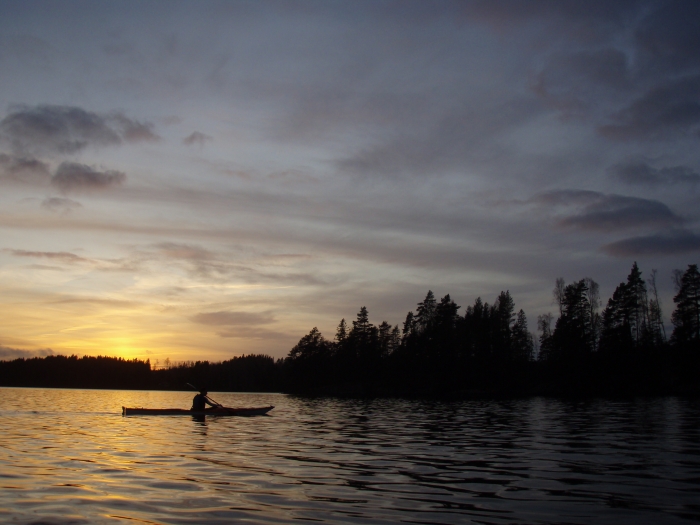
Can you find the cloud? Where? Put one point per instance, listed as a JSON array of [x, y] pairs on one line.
[[71, 176], [184, 251], [68, 129], [642, 173], [133, 130], [594, 211], [23, 169], [60, 205], [252, 332], [61, 256], [575, 83], [668, 110], [7, 353], [196, 138], [229, 318], [673, 243], [669, 37]]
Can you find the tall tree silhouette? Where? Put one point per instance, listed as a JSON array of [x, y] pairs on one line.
[[637, 305], [502, 319], [573, 333], [425, 313], [686, 317], [656, 319], [626, 317], [544, 325], [521, 339]]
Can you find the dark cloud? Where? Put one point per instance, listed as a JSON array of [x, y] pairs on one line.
[[668, 38], [74, 177], [23, 169], [61, 256], [642, 173], [668, 110], [449, 139], [68, 129], [641, 51], [196, 138], [132, 130], [673, 243], [60, 205], [229, 318], [7, 353], [594, 211], [575, 83]]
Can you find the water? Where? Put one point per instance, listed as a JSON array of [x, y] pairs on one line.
[[69, 457]]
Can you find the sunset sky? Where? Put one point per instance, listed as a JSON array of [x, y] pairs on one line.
[[199, 180]]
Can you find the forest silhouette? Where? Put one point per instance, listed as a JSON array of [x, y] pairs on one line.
[[489, 351]]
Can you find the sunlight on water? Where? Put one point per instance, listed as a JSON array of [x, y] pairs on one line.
[[69, 457]]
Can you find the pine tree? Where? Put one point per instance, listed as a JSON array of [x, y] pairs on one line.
[[503, 317], [686, 317], [341, 333], [573, 332], [544, 325], [425, 313], [384, 338], [521, 340], [656, 319], [409, 326], [636, 305], [616, 335]]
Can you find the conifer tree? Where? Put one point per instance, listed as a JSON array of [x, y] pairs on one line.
[[656, 320], [544, 325], [425, 313], [521, 339], [573, 332], [503, 317], [341, 333], [686, 317], [616, 335], [408, 327], [636, 305]]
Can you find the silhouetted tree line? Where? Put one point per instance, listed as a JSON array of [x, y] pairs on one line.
[[57, 371], [248, 373], [490, 351]]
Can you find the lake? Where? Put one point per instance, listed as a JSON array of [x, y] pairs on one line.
[[70, 457]]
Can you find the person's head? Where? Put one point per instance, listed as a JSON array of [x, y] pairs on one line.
[[203, 391]]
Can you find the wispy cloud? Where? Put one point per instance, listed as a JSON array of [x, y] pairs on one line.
[[23, 169], [232, 318], [68, 129], [65, 257], [664, 244], [594, 211], [60, 204], [196, 138], [640, 172], [665, 111], [75, 177], [8, 353]]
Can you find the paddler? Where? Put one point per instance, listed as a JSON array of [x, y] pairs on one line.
[[201, 400]]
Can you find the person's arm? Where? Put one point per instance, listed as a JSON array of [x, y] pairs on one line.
[[210, 402]]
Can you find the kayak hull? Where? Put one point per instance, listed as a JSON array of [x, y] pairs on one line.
[[223, 411]]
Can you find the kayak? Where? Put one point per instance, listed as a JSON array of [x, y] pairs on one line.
[[219, 411]]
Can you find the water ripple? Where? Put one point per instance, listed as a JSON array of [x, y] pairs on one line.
[[347, 461]]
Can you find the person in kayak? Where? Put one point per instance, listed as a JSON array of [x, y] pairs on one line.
[[201, 400]]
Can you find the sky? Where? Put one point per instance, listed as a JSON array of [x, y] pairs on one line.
[[201, 180]]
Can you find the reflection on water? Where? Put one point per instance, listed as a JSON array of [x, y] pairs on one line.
[[69, 457]]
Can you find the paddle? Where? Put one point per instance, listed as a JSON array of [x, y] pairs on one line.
[[210, 399]]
